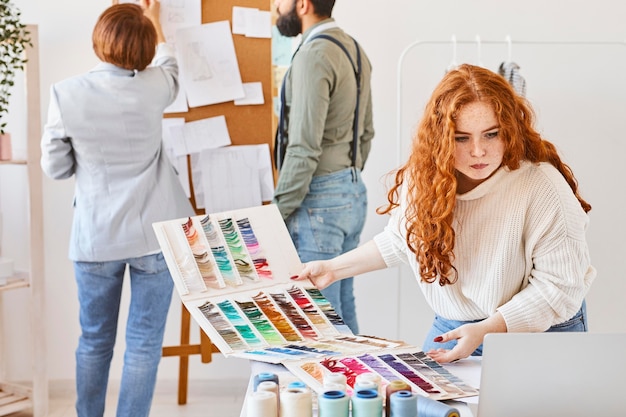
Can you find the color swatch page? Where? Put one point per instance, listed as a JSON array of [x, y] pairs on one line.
[[409, 364], [232, 272]]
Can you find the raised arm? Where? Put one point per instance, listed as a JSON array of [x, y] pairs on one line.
[[152, 10]]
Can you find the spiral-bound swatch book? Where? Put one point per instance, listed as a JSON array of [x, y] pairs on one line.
[[232, 271]]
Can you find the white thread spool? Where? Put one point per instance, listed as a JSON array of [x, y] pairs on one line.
[[296, 402], [262, 404], [335, 381], [371, 377], [270, 386]]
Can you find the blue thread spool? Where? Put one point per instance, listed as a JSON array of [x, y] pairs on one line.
[[264, 376], [403, 404], [431, 408], [296, 384], [367, 403], [333, 404]]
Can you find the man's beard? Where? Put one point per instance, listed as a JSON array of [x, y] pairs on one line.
[[289, 24]]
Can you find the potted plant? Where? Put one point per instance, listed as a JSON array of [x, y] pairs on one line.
[[14, 38]]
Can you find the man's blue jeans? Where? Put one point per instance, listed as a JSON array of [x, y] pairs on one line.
[[99, 293], [328, 223]]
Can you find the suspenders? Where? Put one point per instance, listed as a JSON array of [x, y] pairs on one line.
[[281, 140]]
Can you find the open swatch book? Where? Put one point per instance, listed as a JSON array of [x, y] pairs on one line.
[[232, 271]]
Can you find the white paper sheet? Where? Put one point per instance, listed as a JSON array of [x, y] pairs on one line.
[[179, 162], [194, 137], [236, 177], [208, 64], [254, 94]]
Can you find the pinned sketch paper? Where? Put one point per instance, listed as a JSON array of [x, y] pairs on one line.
[[175, 15], [196, 136], [208, 64], [179, 162], [252, 22], [253, 95], [235, 177]]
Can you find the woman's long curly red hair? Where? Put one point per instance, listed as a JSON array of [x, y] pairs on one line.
[[430, 174]]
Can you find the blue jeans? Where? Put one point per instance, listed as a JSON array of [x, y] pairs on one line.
[[578, 323], [328, 223], [99, 293]]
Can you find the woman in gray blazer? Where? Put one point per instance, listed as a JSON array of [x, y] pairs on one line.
[[104, 129]]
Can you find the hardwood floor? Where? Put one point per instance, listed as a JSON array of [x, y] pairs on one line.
[[205, 398]]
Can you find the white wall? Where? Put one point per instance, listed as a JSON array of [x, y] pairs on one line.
[[579, 93]]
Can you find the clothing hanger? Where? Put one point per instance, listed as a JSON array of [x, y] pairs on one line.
[[453, 63], [479, 51], [509, 44]]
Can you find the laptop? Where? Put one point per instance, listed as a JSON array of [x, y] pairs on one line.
[[553, 375]]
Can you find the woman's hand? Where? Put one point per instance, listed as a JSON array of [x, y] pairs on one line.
[[152, 10], [318, 272], [469, 337]]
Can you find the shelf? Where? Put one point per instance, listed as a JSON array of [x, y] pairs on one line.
[[14, 398], [13, 162], [18, 280], [32, 394]]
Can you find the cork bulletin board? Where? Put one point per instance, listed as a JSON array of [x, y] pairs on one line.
[[247, 125]]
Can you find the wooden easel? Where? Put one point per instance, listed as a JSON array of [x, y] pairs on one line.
[[246, 125]]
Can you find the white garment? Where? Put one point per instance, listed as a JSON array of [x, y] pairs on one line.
[[520, 249]]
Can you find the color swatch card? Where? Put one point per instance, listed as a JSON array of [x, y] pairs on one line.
[[424, 375], [232, 271]]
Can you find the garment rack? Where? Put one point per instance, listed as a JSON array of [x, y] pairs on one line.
[[453, 42]]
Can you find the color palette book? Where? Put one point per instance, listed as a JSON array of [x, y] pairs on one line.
[[232, 272], [409, 364]]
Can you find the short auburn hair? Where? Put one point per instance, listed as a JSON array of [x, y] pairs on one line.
[[125, 37]]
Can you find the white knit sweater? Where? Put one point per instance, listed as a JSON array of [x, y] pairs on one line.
[[520, 249]]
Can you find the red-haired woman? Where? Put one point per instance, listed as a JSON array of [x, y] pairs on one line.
[[104, 129], [487, 216]]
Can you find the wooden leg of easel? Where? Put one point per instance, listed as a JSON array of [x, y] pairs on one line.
[[183, 370]]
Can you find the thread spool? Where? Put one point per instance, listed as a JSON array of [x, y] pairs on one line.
[[333, 404], [367, 403], [331, 386], [336, 378], [403, 404], [264, 376], [262, 404], [431, 408], [296, 384], [365, 385], [369, 376], [296, 402], [393, 386], [270, 386]]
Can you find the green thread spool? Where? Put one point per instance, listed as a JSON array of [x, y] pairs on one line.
[[333, 404], [367, 403]]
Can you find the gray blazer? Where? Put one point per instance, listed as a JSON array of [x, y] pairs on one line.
[[104, 128]]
